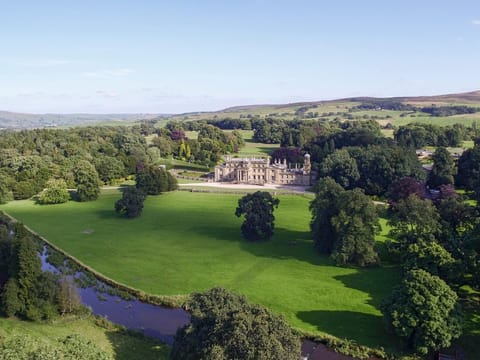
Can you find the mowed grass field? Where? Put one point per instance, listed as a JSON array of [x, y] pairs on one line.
[[252, 148], [120, 345], [186, 242]]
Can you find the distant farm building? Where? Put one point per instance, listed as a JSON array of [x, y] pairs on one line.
[[260, 171]]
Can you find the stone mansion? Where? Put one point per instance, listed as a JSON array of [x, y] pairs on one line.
[[260, 171]]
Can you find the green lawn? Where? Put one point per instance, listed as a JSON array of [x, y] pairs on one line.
[[187, 242], [251, 148], [440, 120], [120, 345]]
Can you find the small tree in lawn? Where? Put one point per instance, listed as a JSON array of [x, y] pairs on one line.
[[258, 210], [131, 203]]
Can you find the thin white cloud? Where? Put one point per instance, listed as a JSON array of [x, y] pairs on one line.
[[105, 74], [36, 94], [476, 22], [107, 94]]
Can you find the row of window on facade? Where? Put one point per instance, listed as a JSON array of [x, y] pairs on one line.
[[282, 177]]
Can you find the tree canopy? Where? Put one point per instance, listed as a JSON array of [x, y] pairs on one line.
[[259, 219], [443, 170], [55, 192], [344, 223], [154, 180], [355, 227], [225, 326], [414, 219], [28, 292], [323, 209], [468, 175], [423, 311], [403, 188], [131, 203], [341, 167], [87, 181]]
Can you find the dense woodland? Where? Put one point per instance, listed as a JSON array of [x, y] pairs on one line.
[[80, 158], [435, 230]]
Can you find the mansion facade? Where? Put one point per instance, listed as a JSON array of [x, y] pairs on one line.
[[260, 171]]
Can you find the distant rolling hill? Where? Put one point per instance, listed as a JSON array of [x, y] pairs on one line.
[[347, 109], [472, 98], [14, 120], [327, 109]]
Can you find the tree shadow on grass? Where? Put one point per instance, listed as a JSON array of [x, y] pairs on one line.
[[287, 244], [137, 346], [367, 329], [377, 282], [110, 214]]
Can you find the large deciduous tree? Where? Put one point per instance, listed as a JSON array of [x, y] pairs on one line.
[[87, 181], [379, 166], [153, 180], [423, 311], [341, 167], [259, 219], [344, 223], [431, 257], [109, 169], [323, 208], [443, 169], [403, 188], [355, 226], [414, 219], [226, 326], [468, 175]]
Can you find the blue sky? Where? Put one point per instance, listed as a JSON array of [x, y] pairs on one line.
[[109, 56]]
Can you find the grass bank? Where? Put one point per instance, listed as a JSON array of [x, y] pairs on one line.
[[119, 344]]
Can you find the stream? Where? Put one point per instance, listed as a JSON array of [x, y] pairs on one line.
[[152, 320], [157, 321]]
